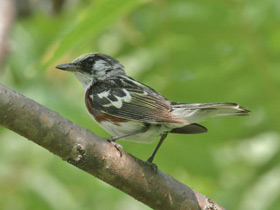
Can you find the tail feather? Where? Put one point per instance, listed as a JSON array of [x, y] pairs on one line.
[[198, 112], [190, 129]]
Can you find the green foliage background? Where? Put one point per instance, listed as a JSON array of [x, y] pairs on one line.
[[190, 51]]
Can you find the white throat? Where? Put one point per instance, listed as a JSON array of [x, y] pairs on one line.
[[85, 79]]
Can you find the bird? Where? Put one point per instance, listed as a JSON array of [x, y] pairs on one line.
[[132, 111]]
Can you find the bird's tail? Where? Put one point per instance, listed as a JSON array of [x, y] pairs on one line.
[[198, 112]]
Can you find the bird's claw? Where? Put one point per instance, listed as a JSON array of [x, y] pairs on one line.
[[117, 146], [153, 166]]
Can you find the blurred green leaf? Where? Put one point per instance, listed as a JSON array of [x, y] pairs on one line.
[[89, 23]]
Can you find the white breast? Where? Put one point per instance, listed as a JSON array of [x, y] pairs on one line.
[[128, 127]]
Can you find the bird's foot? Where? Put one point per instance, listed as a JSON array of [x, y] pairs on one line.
[[153, 165], [116, 145]]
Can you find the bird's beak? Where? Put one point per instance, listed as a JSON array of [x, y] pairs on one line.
[[68, 67]]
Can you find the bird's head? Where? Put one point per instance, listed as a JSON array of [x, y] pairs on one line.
[[93, 67]]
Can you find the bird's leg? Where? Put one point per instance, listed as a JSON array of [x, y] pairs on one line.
[[119, 147], [114, 138], [150, 159]]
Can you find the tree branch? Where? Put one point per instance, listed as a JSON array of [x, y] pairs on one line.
[[92, 154]]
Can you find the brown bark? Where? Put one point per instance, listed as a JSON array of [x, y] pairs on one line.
[[96, 156]]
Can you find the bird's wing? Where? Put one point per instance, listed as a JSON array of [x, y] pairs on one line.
[[126, 98]]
